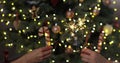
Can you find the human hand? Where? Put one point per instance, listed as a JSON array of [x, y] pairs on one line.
[[89, 56], [35, 56]]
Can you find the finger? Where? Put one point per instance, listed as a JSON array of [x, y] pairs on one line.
[[46, 56], [85, 56], [87, 51], [85, 60], [84, 52], [46, 48], [42, 58], [46, 53]]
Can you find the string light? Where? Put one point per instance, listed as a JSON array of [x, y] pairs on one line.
[[114, 30], [117, 55], [116, 60], [53, 50], [39, 23], [12, 3], [62, 41], [72, 34], [111, 42], [90, 9], [109, 58], [64, 0], [20, 10], [92, 31], [93, 28], [9, 45], [94, 47], [39, 42], [101, 24], [105, 37], [30, 11], [48, 22], [23, 31], [54, 18], [99, 1], [23, 15], [66, 29], [5, 38], [38, 17], [51, 39], [27, 28], [10, 29], [2, 10], [60, 44], [93, 16], [106, 48], [104, 43], [88, 20], [4, 1], [96, 50], [19, 31], [80, 4], [70, 19], [1, 20], [46, 16], [22, 46], [13, 8], [62, 21], [74, 51], [35, 20], [65, 46], [84, 35], [114, 2], [81, 47], [67, 60], [3, 15], [53, 61], [54, 14], [98, 5], [28, 37], [31, 36], [8, 22], [76, 14], [116, 18], [9, 15], [35, 36], [4, 33], [52, 43], [115, 9]]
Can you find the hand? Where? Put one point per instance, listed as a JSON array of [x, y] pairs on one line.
[[35, 56], [90, 56]]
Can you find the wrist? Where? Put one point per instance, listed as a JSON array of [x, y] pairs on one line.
[[20, 60]]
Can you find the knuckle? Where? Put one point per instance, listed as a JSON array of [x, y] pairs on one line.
[[41, 58]]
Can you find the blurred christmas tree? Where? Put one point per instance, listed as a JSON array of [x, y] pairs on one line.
[[67, 25]]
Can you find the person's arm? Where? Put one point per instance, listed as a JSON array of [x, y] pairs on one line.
[[90, 56], [35, 56]]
